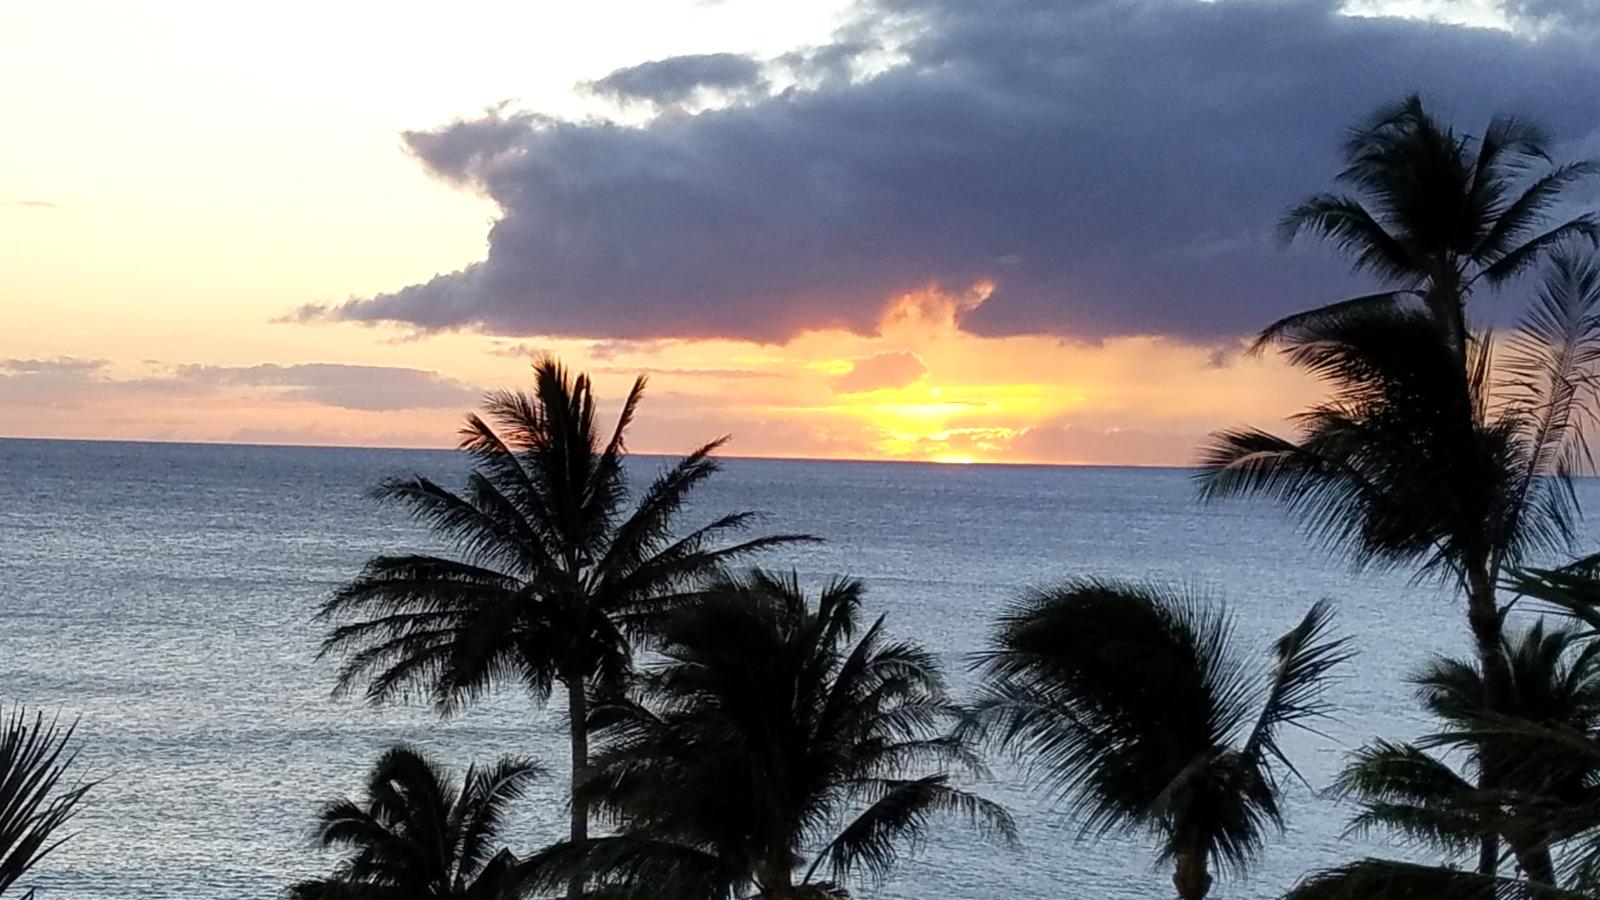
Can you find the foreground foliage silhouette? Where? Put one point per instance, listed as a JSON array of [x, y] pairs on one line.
[[1563, 758], [777, 751], [1430, 451], [1132, 702], [552, 581], [419, 835], [1416, 794], [36, 803]]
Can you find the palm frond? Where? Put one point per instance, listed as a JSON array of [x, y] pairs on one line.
[[649, 526], [897, 818], [1354, 232], [487, 537], [1552, 384], [1522, 216], [1314, 321], [631, 868], [1303, 658], [485, 796], [1381, 879], [36, 802], [1584, 228], [1572, 593]]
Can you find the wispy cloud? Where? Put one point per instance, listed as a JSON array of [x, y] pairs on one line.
[[684, 372], [71, 380]]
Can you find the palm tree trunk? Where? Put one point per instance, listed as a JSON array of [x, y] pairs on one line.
[[1449, 305], [1536, 864], [777, 880], [578, 732], [1483, 614], [1189, 875]]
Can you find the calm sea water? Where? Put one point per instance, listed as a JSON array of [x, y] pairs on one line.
[[163, 594]]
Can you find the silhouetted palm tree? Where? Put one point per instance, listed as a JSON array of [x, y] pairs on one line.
[[550, 582], [1132, 701], [1411, 459], [1462, 467], [776, 751], [1576, 816], [35, 803], [1555, 683], [1436, 213], [417, 835], [1385, 879]]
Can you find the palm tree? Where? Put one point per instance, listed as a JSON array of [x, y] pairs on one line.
[[1410, 460], [1436, 213], [776, 751], [1575, 815], [1458, 464], [35, 802], [417, 835], [1132, 701], [1555, 683], [549, 582], [1384, 879]]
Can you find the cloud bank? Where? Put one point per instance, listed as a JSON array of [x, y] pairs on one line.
[[1111, 167], [72, 381]]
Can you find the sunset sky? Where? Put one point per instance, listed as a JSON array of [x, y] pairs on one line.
[[906, 229]]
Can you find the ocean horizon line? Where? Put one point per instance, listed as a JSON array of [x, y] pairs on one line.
[[931, 463]]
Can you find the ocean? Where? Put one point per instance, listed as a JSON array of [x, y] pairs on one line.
[[162, 594]]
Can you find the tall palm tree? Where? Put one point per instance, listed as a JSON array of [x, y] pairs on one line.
[[1431, 450], [776, 751], [417, 835], [551, 579], [35, 800], [1411, 459], [1555, 683], [1132, 700]]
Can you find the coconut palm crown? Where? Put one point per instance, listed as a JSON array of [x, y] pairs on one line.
[[419, 835], [1415, 793], [778, 751], [551, 578], [1131, 702]]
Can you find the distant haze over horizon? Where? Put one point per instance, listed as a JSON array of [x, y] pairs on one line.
[[917, 230], [653, 455]]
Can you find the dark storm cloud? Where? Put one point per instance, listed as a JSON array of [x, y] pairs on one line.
[[681, 79], [1113, 166]]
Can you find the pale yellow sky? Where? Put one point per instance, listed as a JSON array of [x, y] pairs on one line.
[[175, 176]]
